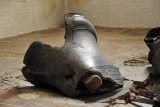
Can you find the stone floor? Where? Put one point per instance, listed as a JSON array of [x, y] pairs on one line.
[[118, 44]]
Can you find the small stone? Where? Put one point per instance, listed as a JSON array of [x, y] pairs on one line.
[[132, 94], [119, 101], [92, 83]]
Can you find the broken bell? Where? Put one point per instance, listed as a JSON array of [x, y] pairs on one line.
[[78, 67]]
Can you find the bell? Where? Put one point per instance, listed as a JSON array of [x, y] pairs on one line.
[[78, 67]]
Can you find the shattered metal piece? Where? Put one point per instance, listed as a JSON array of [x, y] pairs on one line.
[[156, 90], [66, 67], [151, 36], [152, 40], [145, 93]]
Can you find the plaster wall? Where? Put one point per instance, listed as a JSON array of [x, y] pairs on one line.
[[23, 16], [118, 13]]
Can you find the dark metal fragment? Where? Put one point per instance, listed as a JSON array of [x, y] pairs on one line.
[[65, 67], [152, 40]]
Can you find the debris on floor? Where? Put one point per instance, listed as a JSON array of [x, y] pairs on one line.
[[140, 61], [142, 93], [140, 88]]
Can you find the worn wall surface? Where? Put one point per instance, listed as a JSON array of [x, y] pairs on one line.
[[23, 16], [118, 13]]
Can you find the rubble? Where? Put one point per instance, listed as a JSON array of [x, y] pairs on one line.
[[139, 61]]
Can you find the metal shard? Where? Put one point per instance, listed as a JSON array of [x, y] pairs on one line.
[[74, 67]]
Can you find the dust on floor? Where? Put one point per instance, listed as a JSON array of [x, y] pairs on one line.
[[124, 47]]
